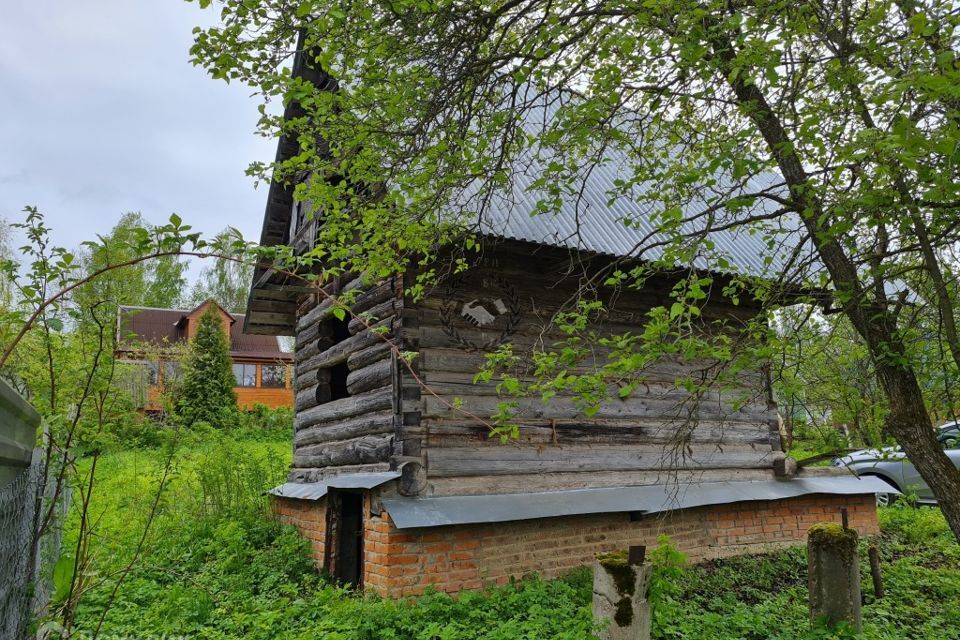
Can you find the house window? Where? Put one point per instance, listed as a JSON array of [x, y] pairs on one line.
[[245, 373], [273, 376], [171, 372]]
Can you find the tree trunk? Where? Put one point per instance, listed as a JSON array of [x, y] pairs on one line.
[[908, 421]]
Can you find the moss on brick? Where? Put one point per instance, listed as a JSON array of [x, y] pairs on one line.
[[617, 565]]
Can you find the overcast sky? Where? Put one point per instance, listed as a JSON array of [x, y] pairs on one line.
[[101, 113]]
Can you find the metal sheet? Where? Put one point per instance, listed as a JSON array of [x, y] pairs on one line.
[[300, 490], [361, 480], [317, 490], [597, 217], [449, 510]]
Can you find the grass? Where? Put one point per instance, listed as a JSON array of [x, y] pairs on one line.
[[215, 566], [760, 597]]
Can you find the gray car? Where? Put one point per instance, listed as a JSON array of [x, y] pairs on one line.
[[891, 465]]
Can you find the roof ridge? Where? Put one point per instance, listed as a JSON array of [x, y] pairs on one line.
[[184, 311]]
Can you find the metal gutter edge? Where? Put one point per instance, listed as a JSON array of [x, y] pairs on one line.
[[408, 513]]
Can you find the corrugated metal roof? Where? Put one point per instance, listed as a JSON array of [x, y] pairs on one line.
[[598, 218], [300, 490], [316, 490], [361, 480], [408, 513]]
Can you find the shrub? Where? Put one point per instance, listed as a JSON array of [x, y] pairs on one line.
[[913, 525], [205, 389], [265, 424]]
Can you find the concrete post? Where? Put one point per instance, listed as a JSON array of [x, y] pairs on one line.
[[834, 574], [620, 592]]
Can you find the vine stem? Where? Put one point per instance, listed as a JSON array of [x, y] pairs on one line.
[[8, 350]]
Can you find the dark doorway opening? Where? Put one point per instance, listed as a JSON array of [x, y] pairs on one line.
[[349, 560]]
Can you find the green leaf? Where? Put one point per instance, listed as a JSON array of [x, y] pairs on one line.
[[304, 9]]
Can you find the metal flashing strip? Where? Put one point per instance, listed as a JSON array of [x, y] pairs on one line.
[[317, 490], [361, 480], [300, 490], [408, 513]]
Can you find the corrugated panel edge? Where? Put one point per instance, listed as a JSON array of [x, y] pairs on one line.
[[408, 513], [317, 490]]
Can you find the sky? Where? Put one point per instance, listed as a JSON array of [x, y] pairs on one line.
[[102, 113]]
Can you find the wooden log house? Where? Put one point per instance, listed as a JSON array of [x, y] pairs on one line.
[[149, 338], [397, 488]]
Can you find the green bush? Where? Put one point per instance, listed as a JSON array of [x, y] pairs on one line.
[[264, 424], [914, 525]]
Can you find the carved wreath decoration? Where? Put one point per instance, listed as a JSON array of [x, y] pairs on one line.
[[499, 309]]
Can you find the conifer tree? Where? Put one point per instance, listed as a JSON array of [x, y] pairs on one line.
[[205, 391]]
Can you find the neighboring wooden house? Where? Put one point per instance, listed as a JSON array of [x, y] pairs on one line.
[[398, 489], [155, 338]]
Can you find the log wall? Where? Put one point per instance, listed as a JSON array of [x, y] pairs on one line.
[[359, 408], [344, 383], [659, 432]]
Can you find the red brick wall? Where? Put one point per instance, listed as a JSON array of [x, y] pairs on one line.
[[309, 517], [405, 562]]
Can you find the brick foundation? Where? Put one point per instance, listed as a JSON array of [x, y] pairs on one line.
[[451, 558], [310, 518]]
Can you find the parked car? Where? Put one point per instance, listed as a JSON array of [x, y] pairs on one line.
[[891, 465]]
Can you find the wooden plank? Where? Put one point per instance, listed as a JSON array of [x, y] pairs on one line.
[[443, 364], [366, 318], [363, 450], [313, 348], [362, 358], [375, 297], [453, 433], [366, 424], [364, 301], [272, 318], [666, 406], [323, 308], [561, 481], [317, 474], [303, 381], [369, 377], [370, 401], [311, 397], [313, 332], [341, 351], [753, 399], [511, 460], [548, 278]]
